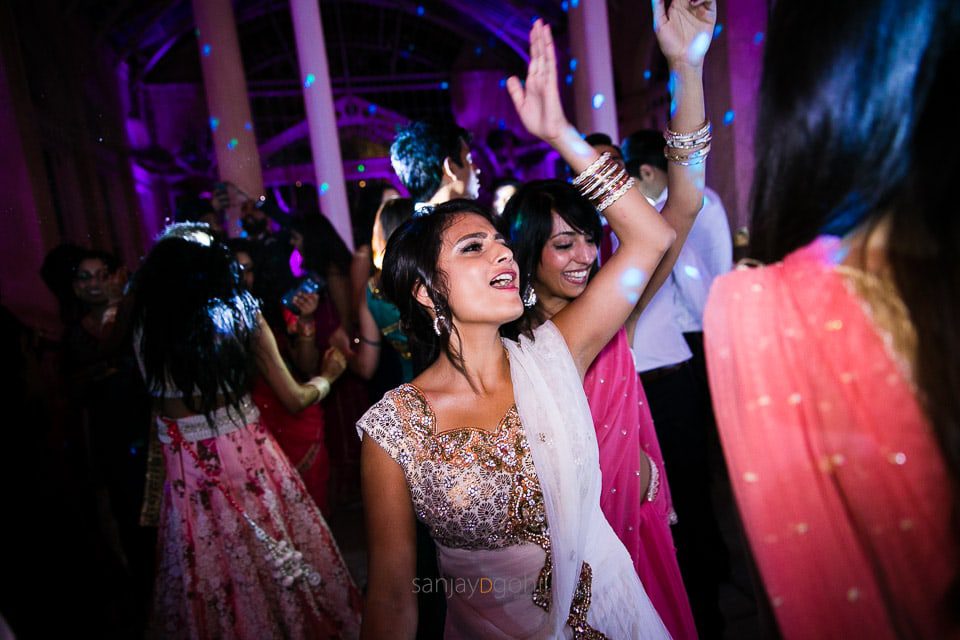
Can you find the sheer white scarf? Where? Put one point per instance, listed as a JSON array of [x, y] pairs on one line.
[[560, 433]]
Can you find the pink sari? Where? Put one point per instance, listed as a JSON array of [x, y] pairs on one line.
[[625, 431], [840, 483]]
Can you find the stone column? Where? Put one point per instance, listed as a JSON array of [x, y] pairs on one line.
[[321, 115], [594, 98], [238, 159]]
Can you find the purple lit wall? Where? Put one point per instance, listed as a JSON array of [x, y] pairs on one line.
[[24, 216]]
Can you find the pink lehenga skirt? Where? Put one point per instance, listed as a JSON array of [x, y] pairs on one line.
[[217, 578]]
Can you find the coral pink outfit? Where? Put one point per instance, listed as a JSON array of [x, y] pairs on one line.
[[625, 432], [842, 488]]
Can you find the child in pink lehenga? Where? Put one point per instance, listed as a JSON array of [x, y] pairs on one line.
[[243, 550], [553, 232]]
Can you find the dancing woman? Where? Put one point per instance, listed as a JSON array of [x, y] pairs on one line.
[[835, 368], [554, 234], [243, 551], [492, 446]]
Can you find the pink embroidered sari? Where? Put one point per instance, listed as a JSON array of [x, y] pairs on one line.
[[625, 431], [842, 489]]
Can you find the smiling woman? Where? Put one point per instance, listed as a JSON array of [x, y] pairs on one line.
[[492, 446]]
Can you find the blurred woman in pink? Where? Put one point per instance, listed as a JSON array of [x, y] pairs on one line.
[[835, 369]]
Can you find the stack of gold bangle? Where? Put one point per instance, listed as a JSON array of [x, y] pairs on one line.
[[688, 148], [603, 182]]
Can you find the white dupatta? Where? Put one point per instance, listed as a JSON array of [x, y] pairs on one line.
[[560, 433]]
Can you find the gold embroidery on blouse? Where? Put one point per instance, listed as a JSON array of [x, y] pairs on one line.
[[503, 456], [882, 303]]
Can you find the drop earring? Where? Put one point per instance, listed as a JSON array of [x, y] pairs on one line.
[[437, 319], [529, 296]]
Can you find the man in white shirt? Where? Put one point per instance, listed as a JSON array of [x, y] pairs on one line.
[[670, 371]]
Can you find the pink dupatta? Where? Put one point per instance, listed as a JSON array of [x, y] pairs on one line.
[[624, 426], [840, 483]]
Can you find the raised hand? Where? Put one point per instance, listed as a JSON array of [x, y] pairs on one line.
[[685, 30], [307, 303], [538, 101], [333, 365]]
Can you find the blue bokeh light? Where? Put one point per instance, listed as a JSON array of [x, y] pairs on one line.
[[598, 100], [309, 80], [728, 117], [206, 50]]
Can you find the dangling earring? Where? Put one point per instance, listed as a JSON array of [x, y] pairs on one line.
[[437, 319], [529, 296]]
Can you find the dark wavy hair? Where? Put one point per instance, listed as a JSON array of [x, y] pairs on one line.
[[850, 130], [323, 248], [194, 319], [643, 147], [418, 152], [393, 214], [411, 259], [527, 224]]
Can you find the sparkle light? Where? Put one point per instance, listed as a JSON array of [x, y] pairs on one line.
[[309, 80], [691, 272], [565, 5], [647, 74], [573, 64], [233, 144], [206, 50], [503, 82], [728, 117], [717, 30], [363, 184], [361, 168], [598, 100], [372, 109], [758, 38], [698, 48], [569, 78], [630, 282], [444, 85], [420, 10], [324, 187], [248, 126]]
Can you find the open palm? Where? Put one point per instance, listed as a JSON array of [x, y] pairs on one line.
[[685, 30], [538, 101]]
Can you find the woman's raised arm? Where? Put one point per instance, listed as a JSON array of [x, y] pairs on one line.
[[591, 320]]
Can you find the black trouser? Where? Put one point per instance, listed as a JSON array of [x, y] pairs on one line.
[[677, 405]]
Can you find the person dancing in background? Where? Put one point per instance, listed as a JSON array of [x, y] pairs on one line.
[[243, 552], [493, 445], [554, 233], [835, 368]]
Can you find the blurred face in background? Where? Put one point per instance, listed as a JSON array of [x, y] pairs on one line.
[[91, 282], [246, 269]]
